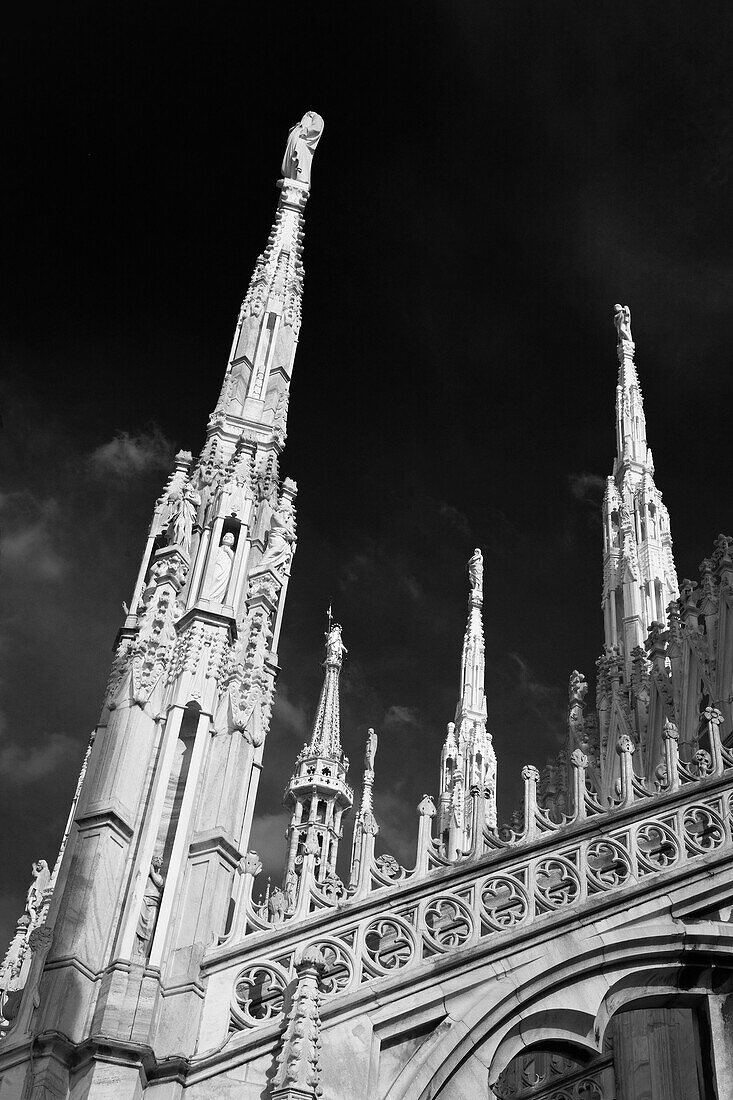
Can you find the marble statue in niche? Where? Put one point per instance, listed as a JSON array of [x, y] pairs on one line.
[[149, 908], [222, 568]]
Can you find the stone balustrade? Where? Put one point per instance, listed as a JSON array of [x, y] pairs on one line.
[[395, 920]]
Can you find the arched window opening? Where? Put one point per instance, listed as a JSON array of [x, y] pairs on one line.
[[556, 1070], [652, 1050]]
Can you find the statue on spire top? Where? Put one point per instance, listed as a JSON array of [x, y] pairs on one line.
[[335, 648], [476, 573], [622, 321], [302, 142]]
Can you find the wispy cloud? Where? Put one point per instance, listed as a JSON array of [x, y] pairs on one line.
[[400, 716], [587, 487], [30, 534], [288, 714], [127, 455], [20, 764]]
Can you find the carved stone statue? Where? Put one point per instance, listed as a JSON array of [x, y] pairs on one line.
[[279, 549], [302, 142], [476, 572], [276, 906], [149, 908], [36, 890], [184, 517], [290, 890], [222, 569], [335, 648], [622, 321], [371, 751]]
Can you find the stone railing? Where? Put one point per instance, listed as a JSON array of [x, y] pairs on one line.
[[391, 924]]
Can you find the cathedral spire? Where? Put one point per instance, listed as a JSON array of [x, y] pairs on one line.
[[178, 750], [468, 759], [326, 737], [318, 795], [639, 578]]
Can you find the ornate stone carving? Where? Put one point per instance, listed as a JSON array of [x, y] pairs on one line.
[[251, 864], [298, 1066], [277, 906], [35, 897], [302, 141]]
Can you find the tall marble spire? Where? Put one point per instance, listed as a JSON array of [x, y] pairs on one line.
[[178, 749], [639, 578], [468, 759]]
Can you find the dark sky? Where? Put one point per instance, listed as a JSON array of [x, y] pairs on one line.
[[491, 179]]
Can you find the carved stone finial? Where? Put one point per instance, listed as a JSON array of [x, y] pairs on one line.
[[426, 807], [302, 141], [578, 759], [625, 745], [670, 731], [530, 774], [183, 460], [312, 956], [622, 321]]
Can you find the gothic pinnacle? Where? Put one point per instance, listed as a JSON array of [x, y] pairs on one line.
[[257, 381], [468, 757], [639, 577]]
